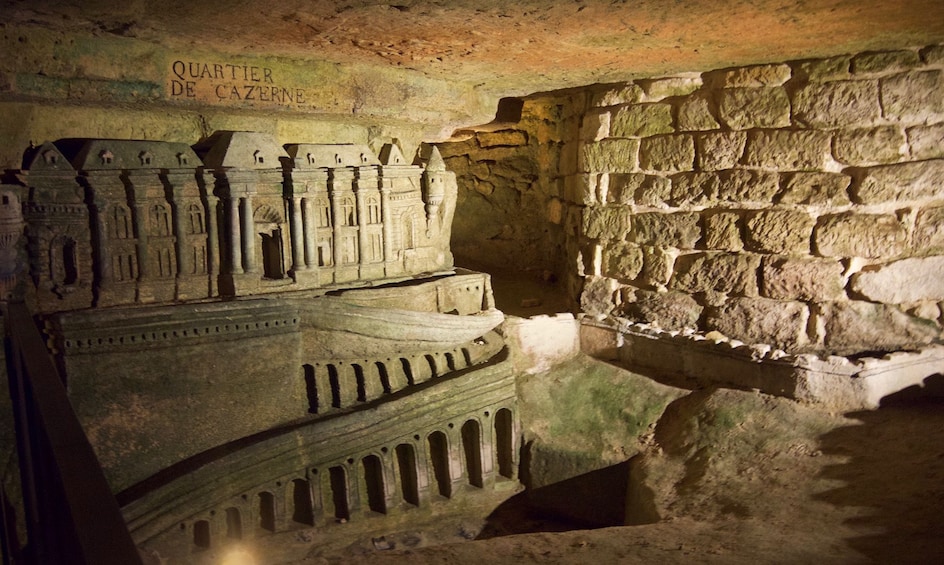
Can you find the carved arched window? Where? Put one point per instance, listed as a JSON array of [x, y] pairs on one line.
[[196, 219], [120, 222], [348, 213], [373, 210], [324, 213], [258, 157], [160, 220], [106, 156]]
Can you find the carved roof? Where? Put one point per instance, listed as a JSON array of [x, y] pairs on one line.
[[46, 157], [390, 154], [127, 154], [331, 155], [240, 150]]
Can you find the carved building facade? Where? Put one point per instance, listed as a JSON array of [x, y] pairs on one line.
[[113, 222]]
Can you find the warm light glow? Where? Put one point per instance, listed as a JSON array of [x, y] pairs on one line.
[[238, 556]]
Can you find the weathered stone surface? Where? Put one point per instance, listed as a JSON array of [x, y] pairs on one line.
[[505, 138], [823, 189], [623, 94], [732, 273], [758, 320], [595, 125], [779, 231], [638, 188], [884, 61], [870, 146], [680, 230], [695, 188], [737, 185], [694, 114], [658, 266], [659, 88], [581, 188], [914, 97], [752, 77], [606, 222], [746, 108], [598, 295], [841, 103], [742, 185], [933, 55], [860, 235], [926, 142], [723, 231], [795, 150], [853, 327], [908, 280], [716, 151], [667, 310], [785, 278], [608, 155], [622, 261], [929, 230], [821, 70], [672, 153], [902, 182], [641, 120]]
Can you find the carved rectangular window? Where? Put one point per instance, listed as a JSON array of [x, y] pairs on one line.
[[349, 249], [376, 247], [324, 252], [199, 260]]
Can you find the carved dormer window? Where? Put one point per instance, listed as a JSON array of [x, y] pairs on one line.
[[145, 157], [50, 157], [106, 156], [311, 159], [337, 159], [258, 157], [182, 159], [364, 158]]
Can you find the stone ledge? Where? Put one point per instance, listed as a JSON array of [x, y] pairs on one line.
[[834, 382]]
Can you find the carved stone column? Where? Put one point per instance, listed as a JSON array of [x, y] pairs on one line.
[[213, 243], [309, 222], [249, 249], [298, 243], [336, 224], [139, 221], [387, 223], [235, 239], [363, 242]]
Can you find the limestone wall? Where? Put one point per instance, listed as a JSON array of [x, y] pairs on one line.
[[798, 204], [72, 81]]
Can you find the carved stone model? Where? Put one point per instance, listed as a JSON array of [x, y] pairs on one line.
[[114, 222]]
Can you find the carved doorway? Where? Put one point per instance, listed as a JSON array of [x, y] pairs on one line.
[[273, 262]]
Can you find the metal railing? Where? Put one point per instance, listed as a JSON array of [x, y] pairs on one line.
[[70, 512]]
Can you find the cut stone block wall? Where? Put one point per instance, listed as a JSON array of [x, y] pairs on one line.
[[797, 204]]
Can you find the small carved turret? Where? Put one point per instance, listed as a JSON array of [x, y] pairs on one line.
[[434, 182]]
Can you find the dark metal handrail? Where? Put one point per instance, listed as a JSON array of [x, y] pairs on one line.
[[71, 514]]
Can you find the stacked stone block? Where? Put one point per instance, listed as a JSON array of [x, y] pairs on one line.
[[797, 204]]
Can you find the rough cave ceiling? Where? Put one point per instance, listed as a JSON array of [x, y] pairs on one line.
[[509, 47]]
